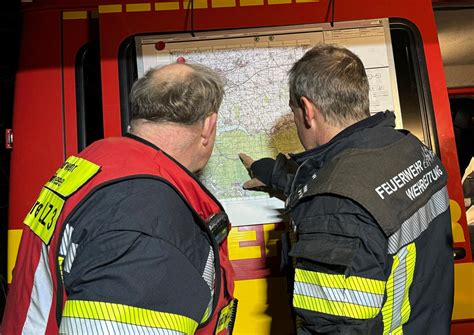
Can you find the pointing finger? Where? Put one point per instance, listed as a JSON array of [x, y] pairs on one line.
[[246, 160]]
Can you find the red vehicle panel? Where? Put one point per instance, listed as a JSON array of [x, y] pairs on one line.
[[46, 128]]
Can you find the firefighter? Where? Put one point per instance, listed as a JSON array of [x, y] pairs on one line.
[[124, 239], [369, 206]]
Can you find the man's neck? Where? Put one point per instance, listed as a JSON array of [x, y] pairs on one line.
[[178, 141], [328, 133]]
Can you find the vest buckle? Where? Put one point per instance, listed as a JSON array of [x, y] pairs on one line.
[[219, 225]]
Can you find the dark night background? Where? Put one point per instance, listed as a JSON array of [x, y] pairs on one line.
[[10, 25]]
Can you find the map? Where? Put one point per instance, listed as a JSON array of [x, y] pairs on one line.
[[254, 117]]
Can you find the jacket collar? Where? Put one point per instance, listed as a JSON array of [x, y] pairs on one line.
[[344, 139]]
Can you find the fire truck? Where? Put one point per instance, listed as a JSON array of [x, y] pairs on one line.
[[79, 58]]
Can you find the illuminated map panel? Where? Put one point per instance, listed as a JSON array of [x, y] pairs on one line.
[[254, 117]]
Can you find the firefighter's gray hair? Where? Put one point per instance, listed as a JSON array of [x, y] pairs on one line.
[[184, 99], [334, 79]]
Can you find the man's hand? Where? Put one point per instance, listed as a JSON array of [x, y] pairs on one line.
[[269, 175], [254, 183]]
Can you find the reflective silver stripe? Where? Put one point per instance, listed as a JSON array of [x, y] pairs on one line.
[[65, 239], [419, 221], [209, 275], [67, 248], [399, 279], [71, 255], [41, 297], [209, 271], [339, 295], [70, 325]]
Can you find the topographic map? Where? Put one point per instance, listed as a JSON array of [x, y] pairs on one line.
[[254, 117]]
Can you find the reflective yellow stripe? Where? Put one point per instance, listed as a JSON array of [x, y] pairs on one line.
[[396, 310], [74, 173], [60, 263], [166, 5], [334, 307], [44, 214], [340, 281], [138, 7], [205, 316], [197, 4], [251, 3], [75, 15], [354, 297], [278, 2], [110, 9], [387, 308], [222, 3], [128, 315]]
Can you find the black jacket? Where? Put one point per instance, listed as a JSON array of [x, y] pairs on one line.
[[139, 245], [356, 274]]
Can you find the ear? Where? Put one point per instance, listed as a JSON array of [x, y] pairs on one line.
[[309, 111], [208, 128]]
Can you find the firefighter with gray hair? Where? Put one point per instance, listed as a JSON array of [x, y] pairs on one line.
[[124, 239], [369, 206]]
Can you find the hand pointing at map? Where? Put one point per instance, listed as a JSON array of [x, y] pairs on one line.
[[268, 174], [260, 171]]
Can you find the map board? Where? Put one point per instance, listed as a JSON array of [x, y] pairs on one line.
[[255, 117]]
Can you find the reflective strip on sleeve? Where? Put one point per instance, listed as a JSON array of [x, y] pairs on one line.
[[416, 224], [354, 297], [206, 315], [93, 317], [66, 239], [396, 310], [68, 249], [209, 276]]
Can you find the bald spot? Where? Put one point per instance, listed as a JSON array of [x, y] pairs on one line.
[[172, 72]]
